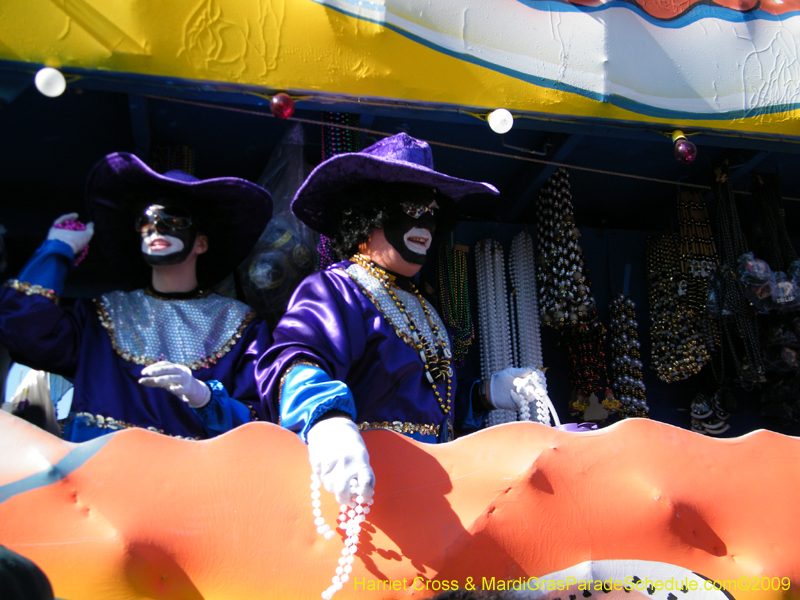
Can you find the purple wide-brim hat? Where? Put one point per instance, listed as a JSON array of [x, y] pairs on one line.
[[232, 212], [399, 158]]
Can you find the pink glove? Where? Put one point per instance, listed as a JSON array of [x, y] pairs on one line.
[[77, 240]]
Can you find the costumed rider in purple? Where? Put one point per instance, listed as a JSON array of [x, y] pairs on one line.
[[359, 348], [172, 356]]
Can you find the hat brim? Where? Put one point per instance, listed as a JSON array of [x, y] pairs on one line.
[[322, 194], [232, 212]]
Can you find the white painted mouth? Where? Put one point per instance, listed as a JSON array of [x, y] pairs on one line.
[[156, 244], [418, 240]]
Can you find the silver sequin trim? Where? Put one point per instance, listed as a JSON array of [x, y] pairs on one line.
[[383, 301], [195, 332]]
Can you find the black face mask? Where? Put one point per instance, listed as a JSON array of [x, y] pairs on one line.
[[409, 215], [176, 223]]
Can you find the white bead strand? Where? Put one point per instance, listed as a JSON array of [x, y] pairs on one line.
[[482, 275], [350, 518], [523, 278], [493, 319]]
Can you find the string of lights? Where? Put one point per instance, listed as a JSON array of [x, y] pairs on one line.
[[542, 161]]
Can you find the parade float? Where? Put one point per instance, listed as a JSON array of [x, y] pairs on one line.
[[637, 507], [518, 507]]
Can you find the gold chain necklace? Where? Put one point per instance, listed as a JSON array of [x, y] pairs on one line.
[[435, 355]]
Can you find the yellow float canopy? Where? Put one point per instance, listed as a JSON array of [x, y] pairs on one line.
[[726, 67], [635, 506]]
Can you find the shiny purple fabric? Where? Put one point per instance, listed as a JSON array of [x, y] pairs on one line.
[[399, 158], [74, 344], [230, 211], [332, 323]]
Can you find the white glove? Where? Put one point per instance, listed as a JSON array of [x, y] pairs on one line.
[[77, 240], [338, 456], [507, 388], [179, 380]]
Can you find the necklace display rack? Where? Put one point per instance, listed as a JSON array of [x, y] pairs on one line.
[[566, 301]]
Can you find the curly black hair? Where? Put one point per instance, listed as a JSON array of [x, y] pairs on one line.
[[370, 205]]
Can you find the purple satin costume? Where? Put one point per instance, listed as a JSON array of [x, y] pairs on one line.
[[74, 344], [331, 322]]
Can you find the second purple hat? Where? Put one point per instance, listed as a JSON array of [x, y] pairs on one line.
[[399, 158], [232, 212]]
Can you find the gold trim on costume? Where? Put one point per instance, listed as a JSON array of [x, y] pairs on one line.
[[113, 424], [32, 290], [401, 427], [409, 327]]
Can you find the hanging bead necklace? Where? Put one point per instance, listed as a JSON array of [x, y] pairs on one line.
[[677, 350], [565, 297], [735, 315], [493, 319], [523, 281], [584, 346], [350, 518], [626, 360], [485, 339], [698, 257], [566, 301], [435, 354], [780, 327], [454, 306], [777, 245], [336, 140], [525, 316]]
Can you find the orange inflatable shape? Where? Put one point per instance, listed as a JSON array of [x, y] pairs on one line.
[[637, 508]]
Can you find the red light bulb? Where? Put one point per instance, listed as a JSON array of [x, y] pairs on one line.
[[684, 150], [282, 106]]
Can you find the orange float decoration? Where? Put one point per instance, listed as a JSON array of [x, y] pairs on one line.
[[639, 507]]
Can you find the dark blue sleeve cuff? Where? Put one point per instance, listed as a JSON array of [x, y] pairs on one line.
[[222, 413]]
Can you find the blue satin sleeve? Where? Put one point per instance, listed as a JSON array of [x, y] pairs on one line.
[[49, 266], [222, 413], [307, 394]]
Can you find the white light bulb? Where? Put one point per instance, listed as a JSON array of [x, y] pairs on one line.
[[50, 82], [501, 120]]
